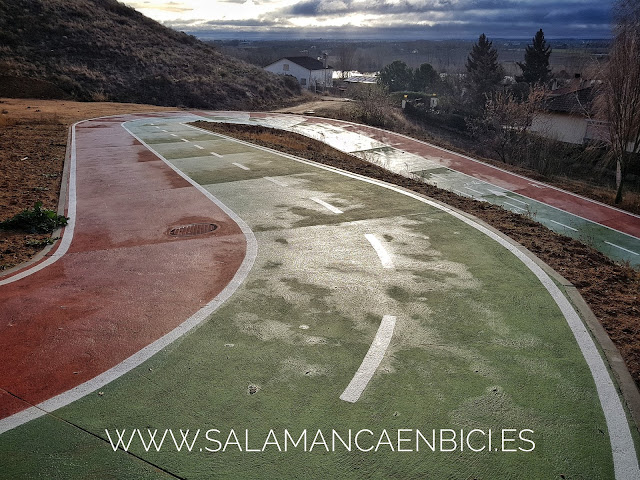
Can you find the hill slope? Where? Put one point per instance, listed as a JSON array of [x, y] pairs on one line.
[[105, 50]]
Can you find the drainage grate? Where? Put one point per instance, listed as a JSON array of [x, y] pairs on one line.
[[193, 229]]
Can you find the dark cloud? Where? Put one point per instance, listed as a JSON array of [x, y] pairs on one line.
[[256, 22], [450, 18]]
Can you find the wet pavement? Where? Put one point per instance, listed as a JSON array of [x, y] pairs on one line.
[[614, 232], [480, 338]]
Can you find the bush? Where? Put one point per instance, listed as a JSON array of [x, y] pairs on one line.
[[37, 220]]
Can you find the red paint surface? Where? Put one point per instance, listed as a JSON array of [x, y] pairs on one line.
[[594, 211], [124, 282], [583, 207]]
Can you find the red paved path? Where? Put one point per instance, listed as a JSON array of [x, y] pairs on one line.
[[124, 281]]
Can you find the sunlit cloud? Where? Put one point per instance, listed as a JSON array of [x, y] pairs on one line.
[[438, 18]]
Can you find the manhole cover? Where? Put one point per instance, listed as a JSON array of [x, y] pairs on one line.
[[193, 229]]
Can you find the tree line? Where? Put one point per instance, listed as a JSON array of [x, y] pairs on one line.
[[499, 113]]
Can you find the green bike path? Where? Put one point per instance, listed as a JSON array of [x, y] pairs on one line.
[[604, 228], [479, 345]]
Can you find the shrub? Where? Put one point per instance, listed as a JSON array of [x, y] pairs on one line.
[[37, 220]]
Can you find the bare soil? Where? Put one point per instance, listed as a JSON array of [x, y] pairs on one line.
[[611, 290], [33, 141]]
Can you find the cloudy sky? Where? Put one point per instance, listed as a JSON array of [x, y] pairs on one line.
[[383, 19]]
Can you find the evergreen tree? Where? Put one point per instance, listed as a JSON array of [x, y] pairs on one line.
[[425, 77], [484, 71], [535, 69], [396, 76]]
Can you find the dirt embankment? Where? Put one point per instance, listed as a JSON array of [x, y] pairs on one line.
[[611, 290], [33, 140]]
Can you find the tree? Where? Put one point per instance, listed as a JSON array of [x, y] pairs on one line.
[[371, 104], [621, 91], [535, 69], [484, 73], [396, 76], [425, 77], [346, 58], [505, 122]]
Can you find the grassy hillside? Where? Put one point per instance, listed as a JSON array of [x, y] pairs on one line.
[[104, 50]]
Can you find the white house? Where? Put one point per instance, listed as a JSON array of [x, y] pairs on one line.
[[565, 118], [310, 72]]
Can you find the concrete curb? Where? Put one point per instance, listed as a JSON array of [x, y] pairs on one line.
[[63, 198], [625, 383]]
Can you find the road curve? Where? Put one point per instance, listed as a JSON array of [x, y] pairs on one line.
[[610, 230], [125, 280]]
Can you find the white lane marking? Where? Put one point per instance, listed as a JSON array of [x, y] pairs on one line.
[[327, 206], [173, 134], [239, 165], [384, 256], [67, 234], [185, 140], [515, 206], [537, 186], [216, 154], [198, 146], [165, 131], [519, 201], [621, 248], [150, 350], [157, 127], [565, 226], [476, 191], [625, 462], [276, 181], [371, 360], [498, 193]]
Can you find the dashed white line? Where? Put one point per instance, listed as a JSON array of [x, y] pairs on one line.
[[165, 131], [198, 146], [157, 127], [384, 256], [462, 194], [498, 193], [327, 205], [565, 226], [371, 360], [514, 206], [276, 181], [621, 248], [173, 134], [537, 186], [239, 165], [476, 191], [216, 154], [185, 140]]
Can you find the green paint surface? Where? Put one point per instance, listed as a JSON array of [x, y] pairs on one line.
[[478, 344]]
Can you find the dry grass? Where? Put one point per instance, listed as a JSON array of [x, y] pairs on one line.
[[98, 50]]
